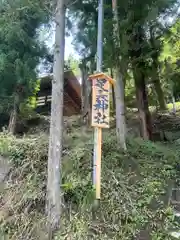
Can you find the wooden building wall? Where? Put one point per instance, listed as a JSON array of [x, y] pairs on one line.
[[72, 95]]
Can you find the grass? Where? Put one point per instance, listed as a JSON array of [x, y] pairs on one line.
[[153, 108], [134, 188]]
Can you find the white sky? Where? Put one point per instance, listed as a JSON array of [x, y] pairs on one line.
[[69, 48]]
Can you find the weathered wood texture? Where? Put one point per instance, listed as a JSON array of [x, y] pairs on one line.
[[72, 95]]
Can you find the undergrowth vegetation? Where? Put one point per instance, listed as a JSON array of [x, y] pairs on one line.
[[135, 189]]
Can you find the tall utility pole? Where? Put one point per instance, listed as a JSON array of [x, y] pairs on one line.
[[98, 130], [56, 126], [100, 36]]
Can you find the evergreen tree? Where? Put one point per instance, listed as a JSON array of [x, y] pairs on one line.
[[20, 50], [134, 19]]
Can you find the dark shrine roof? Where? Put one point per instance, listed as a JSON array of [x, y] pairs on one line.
[[72, 94]]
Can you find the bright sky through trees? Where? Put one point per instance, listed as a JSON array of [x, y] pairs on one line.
[[47, 35], [69, 49]]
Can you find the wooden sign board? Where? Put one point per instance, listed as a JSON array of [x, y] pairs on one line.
[[100, 100], [100, 103]]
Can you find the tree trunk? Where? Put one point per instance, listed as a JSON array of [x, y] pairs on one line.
[[160, 94], [14, 115], [54, 194], [136, 42], [119, 87], [84, 95], [142, 103], [174, 104], [113, 94], [120, 110], [89, 103], [155, 64], [158, 87]]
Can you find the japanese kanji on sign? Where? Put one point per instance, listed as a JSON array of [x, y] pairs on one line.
[[101, 100], [100, 103]]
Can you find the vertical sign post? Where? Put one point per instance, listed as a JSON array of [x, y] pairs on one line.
[[100, 119], [100, 98], [98, 130]]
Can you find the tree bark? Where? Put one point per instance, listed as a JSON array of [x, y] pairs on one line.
[[155, 70], [89, 103], [136, 42], [14, 115], [119, 86], [120, 110], [174, 103], [84, 94], [160, 94], [142, 103], [158, 88], [54, 192], [113, 94]]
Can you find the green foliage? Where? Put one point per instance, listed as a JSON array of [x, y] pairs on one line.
[[33, 98], [133, 188], [72, 64], [137, 19], [85, 15], [20, 50], [170, 60]]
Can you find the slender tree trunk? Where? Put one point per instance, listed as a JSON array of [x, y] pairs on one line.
[[91, 70], [14, 115], [173, 98], [120, 110], [113, 94], [89, 103], [174, 104], [158, 88], [142, 103], [119, 87], [160, 94], [156, 79], [84, 94], [139, 69], [54, 194]]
